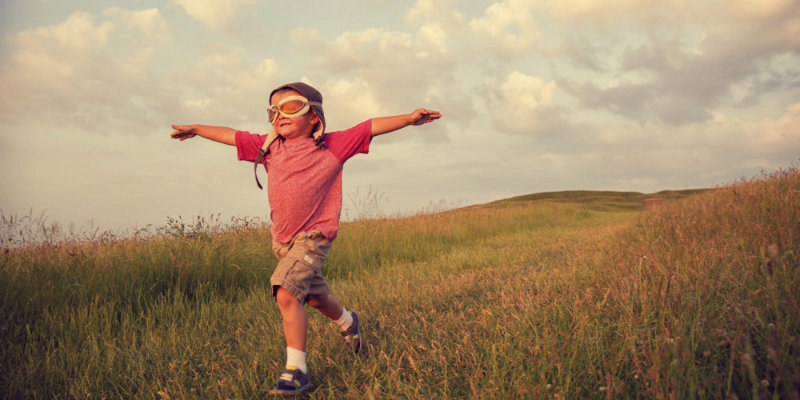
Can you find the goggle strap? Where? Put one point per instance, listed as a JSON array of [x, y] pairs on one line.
[[262, 153]]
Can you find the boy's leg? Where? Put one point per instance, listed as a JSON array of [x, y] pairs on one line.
[[348, 321], [294, 378], [328, 306], [295, 321], [299, 264]]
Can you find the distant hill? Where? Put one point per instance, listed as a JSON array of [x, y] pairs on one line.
[[599, 200]]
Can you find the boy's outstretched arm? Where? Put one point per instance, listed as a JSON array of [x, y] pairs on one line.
[[216, 133], [390, 124]]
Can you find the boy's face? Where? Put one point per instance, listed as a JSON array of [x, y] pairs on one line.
[[294, 127]]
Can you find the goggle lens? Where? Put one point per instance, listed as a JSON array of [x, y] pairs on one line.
[[292, 106]]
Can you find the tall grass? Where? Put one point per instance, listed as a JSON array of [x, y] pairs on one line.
[[571, 297]]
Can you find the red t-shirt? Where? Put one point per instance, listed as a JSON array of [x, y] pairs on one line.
[[304, 182]]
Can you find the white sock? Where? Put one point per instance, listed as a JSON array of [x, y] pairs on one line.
[[296, 358], [345, 320]]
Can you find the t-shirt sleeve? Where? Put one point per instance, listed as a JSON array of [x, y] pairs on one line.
[[349, 142], [247, 145]]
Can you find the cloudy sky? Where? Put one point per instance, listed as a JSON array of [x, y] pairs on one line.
[[536, 95]]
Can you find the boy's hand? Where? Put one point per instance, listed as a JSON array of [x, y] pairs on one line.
[[183, 132], [423, 116]]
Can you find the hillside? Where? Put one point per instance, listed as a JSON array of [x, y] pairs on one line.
[[558, 295], [601, 200]]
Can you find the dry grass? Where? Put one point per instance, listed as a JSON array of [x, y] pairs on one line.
[[570, 297]]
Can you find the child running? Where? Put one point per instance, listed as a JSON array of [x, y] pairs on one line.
[[304, 167]]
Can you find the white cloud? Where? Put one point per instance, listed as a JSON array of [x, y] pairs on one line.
[[215, 14], [501, 16], [349, 101], [691, 155], [762, 9], [528, 92], [676, 62], [436, 22], [772, 136], [511, 23], [224, 88], [524, 104], [433, 36], [372, 46], [613, 13], [149, 22], [52, 53], [86, 71], [43, 62], [442, 12], [398, 71]]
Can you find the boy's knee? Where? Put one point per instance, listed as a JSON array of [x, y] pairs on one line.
[[318, 302], [284, 298]]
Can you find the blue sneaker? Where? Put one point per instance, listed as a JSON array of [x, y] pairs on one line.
[[353, 334], [291, 382]]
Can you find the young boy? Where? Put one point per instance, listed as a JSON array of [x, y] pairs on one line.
[[304, 165]]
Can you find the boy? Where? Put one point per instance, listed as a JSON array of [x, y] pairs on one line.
[[304, 166]]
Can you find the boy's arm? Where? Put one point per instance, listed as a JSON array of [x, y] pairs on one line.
[[390, 124], [216, 133]]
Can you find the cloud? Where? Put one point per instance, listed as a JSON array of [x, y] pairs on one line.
[[523, 104], [440, 12], [223, 87], [771, 137], [765, 9], [397, 71], [217, 15], [511, 24], [365, 50], [437, 22], [149, 22], [109, 73], [586, 8], [51, 52], [87, 71], [695, 154], [581, 51], [348, 101], [706, 58]]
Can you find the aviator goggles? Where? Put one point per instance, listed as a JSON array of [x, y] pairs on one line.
[[290, 106]]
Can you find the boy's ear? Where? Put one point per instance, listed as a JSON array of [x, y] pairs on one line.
[[315, 121]]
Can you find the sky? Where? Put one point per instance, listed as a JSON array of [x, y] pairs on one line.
[[535, 96]]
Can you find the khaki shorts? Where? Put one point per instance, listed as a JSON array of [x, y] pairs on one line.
[[299, 268]]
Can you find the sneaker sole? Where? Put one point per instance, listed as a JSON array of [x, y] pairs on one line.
[[279, 392]]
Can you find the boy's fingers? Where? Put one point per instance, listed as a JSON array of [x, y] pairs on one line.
[[182, 132], [426, 116]]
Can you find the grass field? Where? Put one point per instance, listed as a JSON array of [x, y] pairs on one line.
[[559, 295]]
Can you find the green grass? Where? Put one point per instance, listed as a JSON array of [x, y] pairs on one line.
[[557, 295]]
